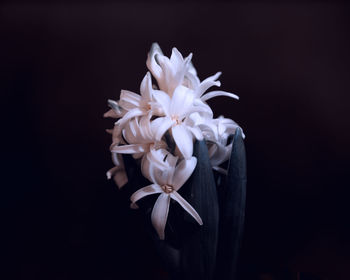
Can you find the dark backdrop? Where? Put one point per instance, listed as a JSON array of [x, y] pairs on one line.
[[289, 63]]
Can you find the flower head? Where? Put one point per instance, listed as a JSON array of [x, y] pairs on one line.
[[159, 126]]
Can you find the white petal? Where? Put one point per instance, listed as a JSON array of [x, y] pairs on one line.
[[192, 70], [151, 62], [158, 156], [181, 102], [129, 100], [176, 58], [218, 93], [182, 172], [160, 214], [196, 132], [203, 109], [161, 125], [129, 115], [111, 114], [191, 80], [156, 168], [129, 133], [167, 81], [146, 87], [163, 100], [183, 139], [145, 191], [118, 160], [116, 136], [171, 162], [145, 128], [130, 149], [185, 205], [207, 83], [145, 167], [160, 173], [176, 76], [218, 154]]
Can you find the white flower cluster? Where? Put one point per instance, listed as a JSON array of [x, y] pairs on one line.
[[159, 126]]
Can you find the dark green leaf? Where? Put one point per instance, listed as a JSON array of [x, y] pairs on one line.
[[232, 210], [198, 251]]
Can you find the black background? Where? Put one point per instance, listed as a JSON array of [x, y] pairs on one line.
[[60, 62]]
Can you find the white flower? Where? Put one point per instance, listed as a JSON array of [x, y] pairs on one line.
[[163, 121], [176, 110], [169, 73], [140, 138], [167, 178], [118, 172], [115, 112], [217, 132], [135, 105]]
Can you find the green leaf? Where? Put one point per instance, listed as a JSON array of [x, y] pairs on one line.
[[232, 211], [198, 251]]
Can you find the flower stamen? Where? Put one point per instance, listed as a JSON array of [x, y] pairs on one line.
[[167, 188], [176, 119]]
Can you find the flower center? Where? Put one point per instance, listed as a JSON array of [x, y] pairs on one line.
[[167, 188], [176, 119]]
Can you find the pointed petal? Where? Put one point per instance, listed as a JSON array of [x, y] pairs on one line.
[[146, 167], [192, 69], [129, 100], [212, 94], [160, 214], [186, 206], [171, 162], [183, 171], [145, 191], [207, 83], [166, 82], [130, 149], [183, 139], [111, 114], [146, 87], [176, 58]]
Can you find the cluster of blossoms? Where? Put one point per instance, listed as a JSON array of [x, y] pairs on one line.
[[159, 126]]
